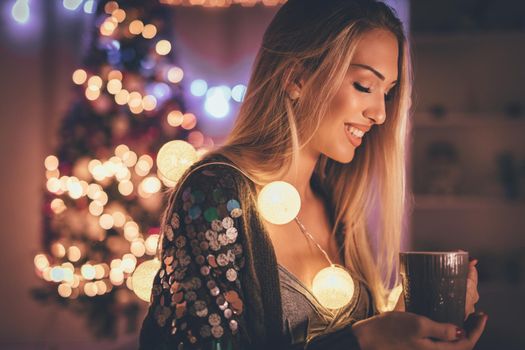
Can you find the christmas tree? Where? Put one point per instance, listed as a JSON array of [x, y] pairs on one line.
[[104, 191]]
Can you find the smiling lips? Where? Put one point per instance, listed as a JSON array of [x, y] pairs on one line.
[[354, 134]]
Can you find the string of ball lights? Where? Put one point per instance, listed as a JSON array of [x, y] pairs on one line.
[[279, 203]]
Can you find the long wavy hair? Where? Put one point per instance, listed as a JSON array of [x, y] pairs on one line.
[[320, 37]]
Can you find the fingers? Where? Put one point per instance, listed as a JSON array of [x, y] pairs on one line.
[[438, 330], [472, 271], [475, 325], [472, 288]]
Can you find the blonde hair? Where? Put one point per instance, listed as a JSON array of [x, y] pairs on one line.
[[319, 38]]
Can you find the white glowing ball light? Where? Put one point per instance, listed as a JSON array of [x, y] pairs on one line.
[[142, 278], [333, 287], [174, 158], [279, 202]]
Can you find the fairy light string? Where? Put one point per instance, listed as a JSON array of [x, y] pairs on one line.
[[333, 286]]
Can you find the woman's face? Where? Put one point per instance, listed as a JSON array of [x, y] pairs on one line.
[[360, 101]]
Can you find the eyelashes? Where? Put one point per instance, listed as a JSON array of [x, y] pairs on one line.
[[361, 88]]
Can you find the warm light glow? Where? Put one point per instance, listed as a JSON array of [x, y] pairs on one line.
[[73, 253], [119, 14], [135, 99], [110, 7], [58, 206], [129, 262], [137, 247], [163, 47], [58, 250], [106, 221], [119, 218], [87, 271], [151, 244], [64, 290], [196, 138], [52, 173], [57, 274], [129, 158], [136, 110], [175, 74], [175, 118], [120, 150], [144, 165], [95, 208], [333, 287], [125, 187], [131, 230], [136, 27], [95, 82], [90, 289], [122, 97], [279, 202], [114, 86], [108, 27], [79, 76], [174, 158], [99, 271], [115, 263], [101, 197], [91, 94], [75, 188], [142, 279], [149, 102], [41, 261], [51, 162], [53, 185], [149, 31], [101, 287], [114, 74], [116, 276], [151, 185], [189, 122]]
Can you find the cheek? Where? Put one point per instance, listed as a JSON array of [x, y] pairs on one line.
[[345, 103]]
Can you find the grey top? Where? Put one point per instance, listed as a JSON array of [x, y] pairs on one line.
[[304, 316]]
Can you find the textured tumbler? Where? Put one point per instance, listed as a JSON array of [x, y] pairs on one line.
[[435, 284]]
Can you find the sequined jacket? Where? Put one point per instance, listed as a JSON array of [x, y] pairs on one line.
[[218, 285]]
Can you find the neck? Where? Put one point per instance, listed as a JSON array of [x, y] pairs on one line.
[[300, 173]]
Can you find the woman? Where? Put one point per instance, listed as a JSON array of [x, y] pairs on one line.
[[326, 111]]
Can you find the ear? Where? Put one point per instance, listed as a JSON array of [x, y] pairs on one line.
[[295, 76]]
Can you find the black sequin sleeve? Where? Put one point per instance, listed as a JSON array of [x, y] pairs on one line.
[[197, 299]]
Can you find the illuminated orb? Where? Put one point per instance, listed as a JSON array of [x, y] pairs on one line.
[[174, 158], [279, 202], [142, 278], [333, 287]]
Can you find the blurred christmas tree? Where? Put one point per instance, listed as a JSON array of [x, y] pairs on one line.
[[104, 192]]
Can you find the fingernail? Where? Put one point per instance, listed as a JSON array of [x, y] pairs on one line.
[[459, 333]]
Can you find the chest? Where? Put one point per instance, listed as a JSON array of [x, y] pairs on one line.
[[296, 252]]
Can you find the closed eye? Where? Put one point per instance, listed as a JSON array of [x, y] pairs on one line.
[[361, 88]]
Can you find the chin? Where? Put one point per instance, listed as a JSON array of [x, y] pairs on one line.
[[344, 157]]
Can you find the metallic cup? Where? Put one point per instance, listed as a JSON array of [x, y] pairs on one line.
[[435, 284]]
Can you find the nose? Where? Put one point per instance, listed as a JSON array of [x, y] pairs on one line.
[[376, 112]]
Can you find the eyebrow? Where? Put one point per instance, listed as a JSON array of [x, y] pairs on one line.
[[373, 70]]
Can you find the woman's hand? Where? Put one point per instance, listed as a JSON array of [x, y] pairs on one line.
[[406, 331], [472, 288]]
